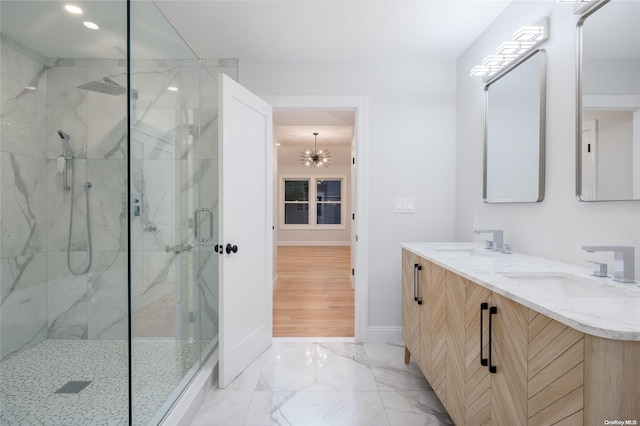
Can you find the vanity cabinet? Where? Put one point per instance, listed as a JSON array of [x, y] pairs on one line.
[[410, 307], [539, 362]]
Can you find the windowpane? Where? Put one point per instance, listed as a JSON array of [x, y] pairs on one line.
[[296, 214], [329, 213], [329, 190], [296, 190]]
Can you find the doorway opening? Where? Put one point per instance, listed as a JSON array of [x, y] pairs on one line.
[[314, 218]]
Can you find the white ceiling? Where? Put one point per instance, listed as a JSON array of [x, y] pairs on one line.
[[254, 29], [330, 29]]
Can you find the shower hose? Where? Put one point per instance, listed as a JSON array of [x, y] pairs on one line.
[[87, 186]]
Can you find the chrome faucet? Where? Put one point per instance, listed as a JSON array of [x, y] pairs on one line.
[[623, 261], [498, 237]]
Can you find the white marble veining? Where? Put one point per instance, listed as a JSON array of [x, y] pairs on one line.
[[326, 384], [616, 316]]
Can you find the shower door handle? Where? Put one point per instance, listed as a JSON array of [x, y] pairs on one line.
[[196, 230]]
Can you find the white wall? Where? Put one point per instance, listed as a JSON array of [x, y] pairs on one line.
[[560, 225], [411, 152]]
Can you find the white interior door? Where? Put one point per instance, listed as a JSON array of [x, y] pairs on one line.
[[246, 197], [589, 160]]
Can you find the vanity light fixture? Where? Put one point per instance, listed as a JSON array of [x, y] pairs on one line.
[[314, 157], [523, 41], [91, 25]]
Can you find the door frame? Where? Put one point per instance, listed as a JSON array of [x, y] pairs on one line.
[[360, 104]]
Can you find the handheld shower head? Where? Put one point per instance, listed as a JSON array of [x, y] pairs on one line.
[[66, 147]]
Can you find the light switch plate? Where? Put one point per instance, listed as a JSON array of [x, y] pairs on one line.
[[405, 205]]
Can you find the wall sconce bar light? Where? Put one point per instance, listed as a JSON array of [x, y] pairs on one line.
[[582, 6], [524, 40]]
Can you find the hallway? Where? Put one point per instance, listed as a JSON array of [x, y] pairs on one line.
[[313, 296]]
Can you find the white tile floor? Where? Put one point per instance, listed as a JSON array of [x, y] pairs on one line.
[[326, 384]]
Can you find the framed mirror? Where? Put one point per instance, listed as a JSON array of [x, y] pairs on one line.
[[514, 132], [608, 100]]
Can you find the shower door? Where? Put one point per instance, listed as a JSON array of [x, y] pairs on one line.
[[172, 215]]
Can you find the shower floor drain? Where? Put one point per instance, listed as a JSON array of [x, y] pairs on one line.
[[73, 387]]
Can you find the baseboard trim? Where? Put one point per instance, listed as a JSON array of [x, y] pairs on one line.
[[314, 243], [384, 334], [186, 408]]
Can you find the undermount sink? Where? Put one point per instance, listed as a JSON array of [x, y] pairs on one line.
[[466, 252], [558, 284]]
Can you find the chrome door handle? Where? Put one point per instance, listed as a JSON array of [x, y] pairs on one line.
[[196, 230]]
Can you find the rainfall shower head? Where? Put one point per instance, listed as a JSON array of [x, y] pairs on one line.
[[106, 85], [66, 147]]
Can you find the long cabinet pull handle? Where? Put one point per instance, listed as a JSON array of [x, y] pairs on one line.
[[492, 311], [418, 284], [483, 307], [415, 281]]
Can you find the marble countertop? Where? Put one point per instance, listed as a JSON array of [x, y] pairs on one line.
[[567, 293]]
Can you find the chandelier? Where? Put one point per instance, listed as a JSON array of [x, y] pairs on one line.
[[314, 157]]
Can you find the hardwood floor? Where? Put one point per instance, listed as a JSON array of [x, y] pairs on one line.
[[313, 296]]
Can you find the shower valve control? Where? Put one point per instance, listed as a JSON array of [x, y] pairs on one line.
[[136, 204]]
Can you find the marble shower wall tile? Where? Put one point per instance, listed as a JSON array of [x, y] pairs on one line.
[[58, 203], [106, 116], [156, 227], [208, 137], [67, 109], [208, 290], [22, 272], [68, 296], [24, 214], [107, 302], [23, 94], [153, 277], [107, 204], [24, 319], [23, 303]]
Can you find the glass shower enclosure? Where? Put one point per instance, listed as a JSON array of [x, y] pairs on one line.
[[108, 208]]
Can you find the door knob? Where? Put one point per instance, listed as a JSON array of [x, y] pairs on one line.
[[231, 248]]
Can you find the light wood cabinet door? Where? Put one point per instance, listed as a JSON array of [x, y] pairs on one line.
[[456, 342], [436, 287], [555, 372], [410, 312], [477, 376], [509, 331], [424, 277]]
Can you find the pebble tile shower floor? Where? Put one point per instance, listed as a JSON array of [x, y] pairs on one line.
[[30, 379]]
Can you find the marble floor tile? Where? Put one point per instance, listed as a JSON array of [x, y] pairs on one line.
[[316, 366], [227, 408], [414, 408], [390, 371], [317, 384], [317, 408]]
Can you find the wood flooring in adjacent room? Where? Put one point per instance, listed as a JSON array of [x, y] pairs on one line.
[[313, 296]]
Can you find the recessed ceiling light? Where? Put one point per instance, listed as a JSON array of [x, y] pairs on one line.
[[172, 88], [91, 25], [73, 9], [31, 88]]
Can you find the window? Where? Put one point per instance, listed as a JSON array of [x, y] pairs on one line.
[[296, 202], [328, 202], [313, 203]]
